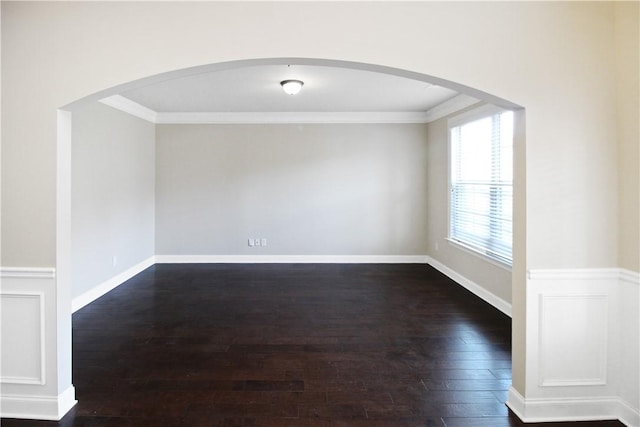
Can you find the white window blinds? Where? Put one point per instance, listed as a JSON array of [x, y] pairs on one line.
[[482, 184]]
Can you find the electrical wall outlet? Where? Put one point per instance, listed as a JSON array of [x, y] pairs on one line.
[[257, 242]]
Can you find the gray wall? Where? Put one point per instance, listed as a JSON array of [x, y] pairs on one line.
[[309, 189], [113, 201]]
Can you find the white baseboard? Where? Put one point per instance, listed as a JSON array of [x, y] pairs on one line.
[[51, 408], [471, 286], [292, 259], [627, 415], [543, 410], [93, 294]]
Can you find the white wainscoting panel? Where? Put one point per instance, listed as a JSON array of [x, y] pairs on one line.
[[573, 340], [582, 353], [29, 382], [23, 343]]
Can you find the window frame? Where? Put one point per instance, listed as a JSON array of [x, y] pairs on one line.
[[477, 113]]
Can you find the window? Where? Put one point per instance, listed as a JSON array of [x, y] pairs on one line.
[[481, 193]]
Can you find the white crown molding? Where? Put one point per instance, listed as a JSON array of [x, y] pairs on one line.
[[449, 106], [291, 117], [128, 106], [27, 273]]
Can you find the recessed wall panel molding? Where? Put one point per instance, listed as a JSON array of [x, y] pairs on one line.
[[22, 329], [28, 338], [573, 340], [27, 297]]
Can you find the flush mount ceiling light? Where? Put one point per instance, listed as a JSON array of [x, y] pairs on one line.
[[291, 87]]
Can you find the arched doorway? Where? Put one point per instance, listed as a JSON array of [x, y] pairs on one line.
[[64, 196]]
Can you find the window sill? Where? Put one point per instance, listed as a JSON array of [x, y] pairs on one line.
[[475, 252]]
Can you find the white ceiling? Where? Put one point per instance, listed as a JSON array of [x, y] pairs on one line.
[[253, 94]]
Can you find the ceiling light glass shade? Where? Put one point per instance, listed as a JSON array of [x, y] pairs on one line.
[[291, 87]]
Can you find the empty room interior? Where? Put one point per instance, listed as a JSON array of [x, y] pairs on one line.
[[437, 225]]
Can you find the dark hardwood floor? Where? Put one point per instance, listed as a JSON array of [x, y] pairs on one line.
[[290, 345]]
